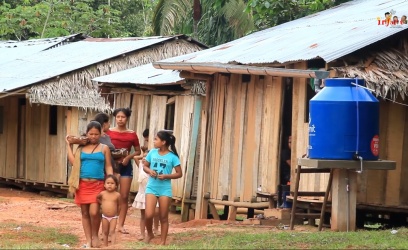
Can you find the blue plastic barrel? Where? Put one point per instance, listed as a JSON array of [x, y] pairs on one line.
[[344, 121]]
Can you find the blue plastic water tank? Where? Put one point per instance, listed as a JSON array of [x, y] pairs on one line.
[[343, 120]]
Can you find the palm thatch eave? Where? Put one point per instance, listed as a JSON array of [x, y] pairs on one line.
[[76, 89], [385, 71]]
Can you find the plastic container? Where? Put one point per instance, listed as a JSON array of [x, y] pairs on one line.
[[344, 121]]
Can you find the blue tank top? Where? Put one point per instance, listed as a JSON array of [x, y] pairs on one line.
[[92, 165]]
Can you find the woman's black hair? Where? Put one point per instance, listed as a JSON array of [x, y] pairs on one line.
[[102, 118], [114, 178], [94, 124], [167, 136], [125, 111]]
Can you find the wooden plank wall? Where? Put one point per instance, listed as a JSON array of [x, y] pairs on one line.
[[182, 131], [3, 138], [34, 133], [395, 151], [157, 116], [243, 134], [388, 187], [45, 154], [9, 138], [371, 184], [55, 154], [300, 135]]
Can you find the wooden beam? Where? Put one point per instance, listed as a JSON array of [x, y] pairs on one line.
[[264, 204], [213, 211], [201, 203], [195, 76], [117, 90], [188, 181]]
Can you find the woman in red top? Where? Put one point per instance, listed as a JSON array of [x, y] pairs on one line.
[[122, 137]]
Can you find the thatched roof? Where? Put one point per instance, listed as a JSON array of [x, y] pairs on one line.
[[77, 89], [386, 72]]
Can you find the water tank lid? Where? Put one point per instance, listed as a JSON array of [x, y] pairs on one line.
[[343, 82]]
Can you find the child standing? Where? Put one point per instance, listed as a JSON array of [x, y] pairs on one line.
[[110, 205], [160, 163], [140, 200]]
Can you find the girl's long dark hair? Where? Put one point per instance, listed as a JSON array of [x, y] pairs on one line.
[[170, 140]]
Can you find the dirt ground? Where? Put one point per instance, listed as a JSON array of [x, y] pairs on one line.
[[20, 207]]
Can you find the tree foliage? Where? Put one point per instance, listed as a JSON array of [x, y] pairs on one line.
[[220, 21], [212, 22], [25, 19], [268, 13]]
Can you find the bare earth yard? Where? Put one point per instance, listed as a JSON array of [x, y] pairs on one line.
[[20, 208]]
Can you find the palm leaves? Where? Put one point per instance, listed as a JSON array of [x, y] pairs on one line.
[[218, 23], [170, 14]]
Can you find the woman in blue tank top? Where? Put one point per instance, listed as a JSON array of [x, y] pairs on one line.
[[93, 160]]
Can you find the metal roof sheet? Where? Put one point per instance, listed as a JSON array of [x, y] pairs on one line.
[[52, 63], [11, 50], [145, 74], [328, 34]]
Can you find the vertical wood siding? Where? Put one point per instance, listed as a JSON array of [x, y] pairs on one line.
[[243, 136]]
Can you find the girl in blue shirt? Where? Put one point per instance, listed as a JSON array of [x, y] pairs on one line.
[[160, 163]]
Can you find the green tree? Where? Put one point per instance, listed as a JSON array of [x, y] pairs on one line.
[[268, 13], [50, 18], [211, 22]]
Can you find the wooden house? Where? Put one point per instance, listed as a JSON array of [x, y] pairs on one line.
[[259, 90], [49, 94], [160, 99]]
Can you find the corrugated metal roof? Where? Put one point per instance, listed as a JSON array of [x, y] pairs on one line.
[[329, 34], [11, 50], [145, 74], [52, 63]]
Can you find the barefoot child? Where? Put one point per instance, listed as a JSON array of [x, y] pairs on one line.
[[160, 163], [110, 205], [140, 200]]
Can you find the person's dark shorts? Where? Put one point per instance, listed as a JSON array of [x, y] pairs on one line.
[[126, 171]]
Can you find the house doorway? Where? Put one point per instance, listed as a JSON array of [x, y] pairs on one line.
[[286, 132], [21, 138]]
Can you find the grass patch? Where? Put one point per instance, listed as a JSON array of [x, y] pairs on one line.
[[253, 238], [25, 236], [67, 200], [2, 200]]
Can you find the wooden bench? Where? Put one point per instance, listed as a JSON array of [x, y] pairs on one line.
[[272, 198]]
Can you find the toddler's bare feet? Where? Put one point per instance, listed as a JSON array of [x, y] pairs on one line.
[[148, 238], [141, 237]]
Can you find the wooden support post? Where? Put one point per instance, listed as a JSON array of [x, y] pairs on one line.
[[295, 197], [202, 203], [191, 214], [188, 183], [344, 199], [326, 197], [232, 215], [213, 211]]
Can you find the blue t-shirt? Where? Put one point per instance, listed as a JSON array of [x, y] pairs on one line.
[[162, 164]]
